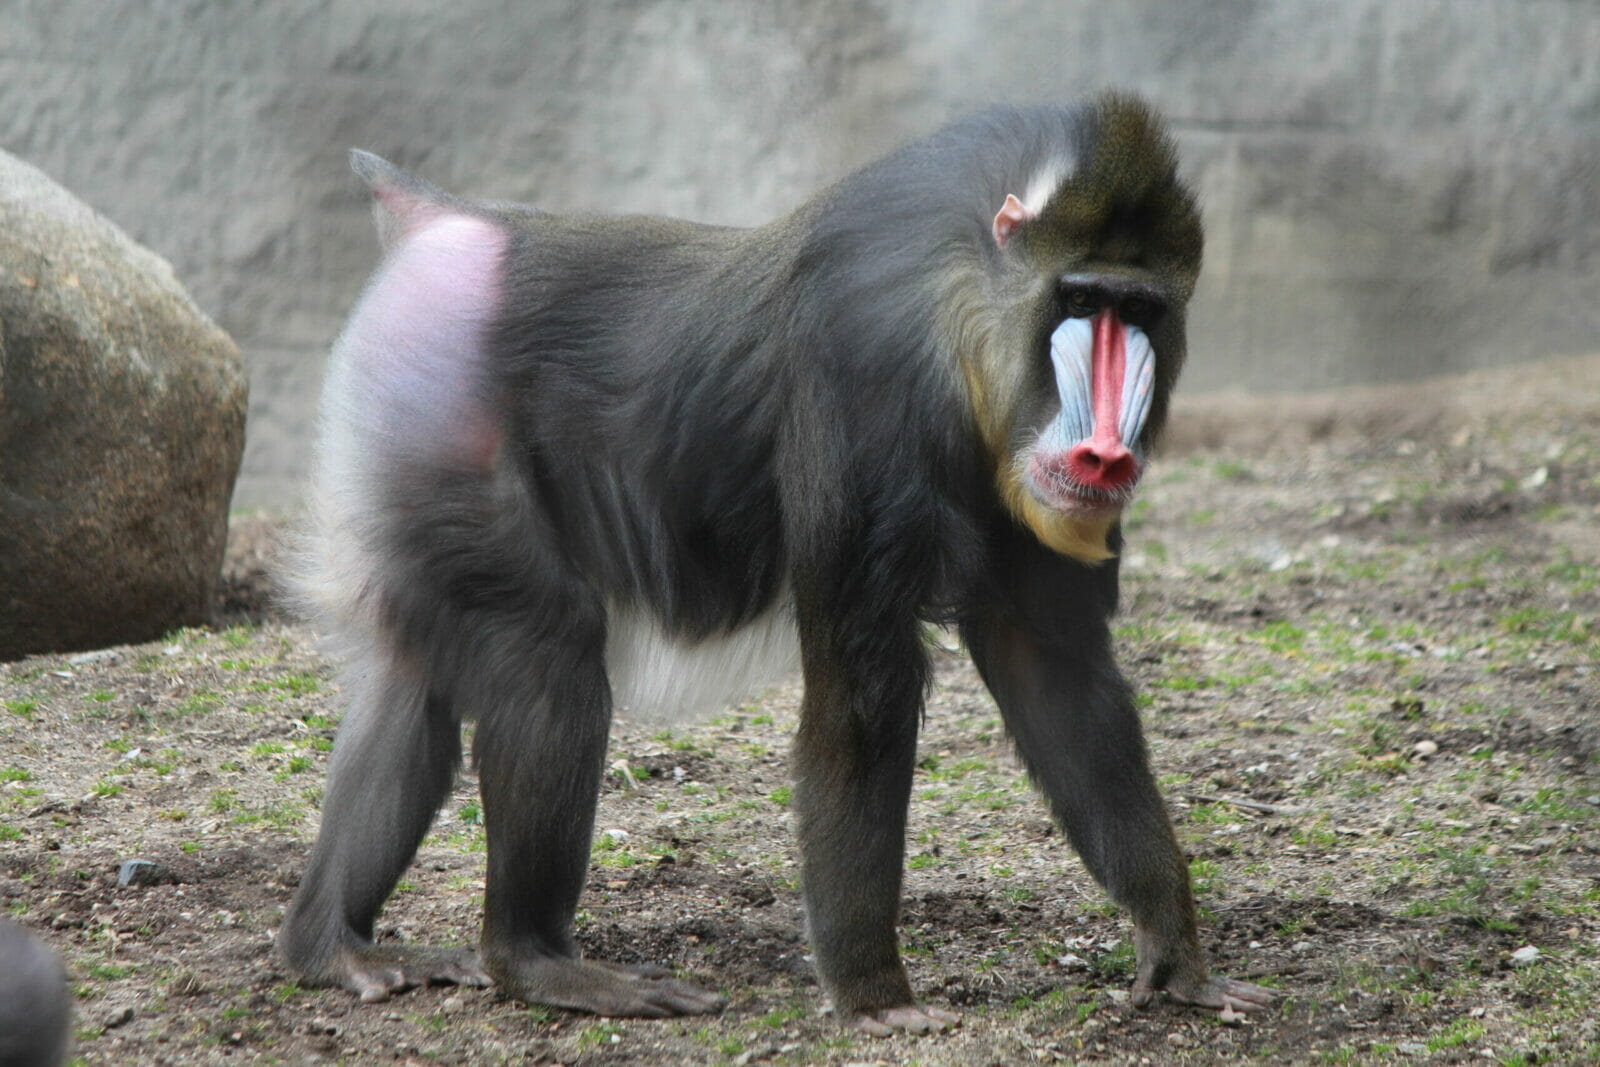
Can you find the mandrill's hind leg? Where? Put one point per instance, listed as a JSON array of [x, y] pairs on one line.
[[544, 718], [405, 474], [540, 697], [392, 766]]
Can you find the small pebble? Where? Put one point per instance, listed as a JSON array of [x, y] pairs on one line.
[[144, 872]]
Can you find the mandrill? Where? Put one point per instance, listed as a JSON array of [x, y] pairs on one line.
[[575, 463]]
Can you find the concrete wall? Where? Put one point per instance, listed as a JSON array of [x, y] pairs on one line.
[[1393, 188]]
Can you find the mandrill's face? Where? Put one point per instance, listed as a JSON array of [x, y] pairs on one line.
[[1107, 276], [1089, 457]]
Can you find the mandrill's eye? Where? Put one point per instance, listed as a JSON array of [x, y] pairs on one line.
[[1140, 310], [1081, 301]]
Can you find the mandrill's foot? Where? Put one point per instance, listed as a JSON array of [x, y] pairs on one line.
[[910, 1019], [376, 972], [1228, 995], [643, 991]]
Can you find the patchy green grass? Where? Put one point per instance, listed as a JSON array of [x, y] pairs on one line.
[[1366, 680]]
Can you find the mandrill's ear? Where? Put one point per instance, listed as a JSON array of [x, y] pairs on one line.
[[1010, 218]]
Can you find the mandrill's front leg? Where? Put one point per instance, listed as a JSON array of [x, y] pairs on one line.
[[854, 757], [1071, 714]]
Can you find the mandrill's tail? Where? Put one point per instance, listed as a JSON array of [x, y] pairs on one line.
[[403, 204]]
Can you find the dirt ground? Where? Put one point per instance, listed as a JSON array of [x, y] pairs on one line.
[[1364, 626]]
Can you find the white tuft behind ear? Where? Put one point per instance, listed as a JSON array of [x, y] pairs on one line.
[[1044, 184]]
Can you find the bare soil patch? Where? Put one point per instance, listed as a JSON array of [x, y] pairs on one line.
[[1366, 628]]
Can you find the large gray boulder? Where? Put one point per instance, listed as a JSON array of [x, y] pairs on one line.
[[121, 426]]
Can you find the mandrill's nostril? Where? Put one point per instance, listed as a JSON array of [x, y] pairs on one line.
[[1102, 464]]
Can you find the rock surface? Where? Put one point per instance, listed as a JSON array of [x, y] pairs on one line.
[[121, 427], [1392, 190]]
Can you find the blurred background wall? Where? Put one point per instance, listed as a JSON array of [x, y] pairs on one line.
[[1393, 188]]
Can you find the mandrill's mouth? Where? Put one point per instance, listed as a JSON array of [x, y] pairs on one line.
[[1050, 481]]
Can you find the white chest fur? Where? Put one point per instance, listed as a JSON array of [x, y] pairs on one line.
[[655, 676]]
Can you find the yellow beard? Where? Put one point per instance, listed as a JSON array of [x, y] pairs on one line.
[[1082, 539]]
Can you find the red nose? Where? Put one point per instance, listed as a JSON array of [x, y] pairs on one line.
[[1104, 465]]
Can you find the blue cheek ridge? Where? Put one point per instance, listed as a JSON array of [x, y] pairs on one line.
[[1071, 354], [1138, 385]]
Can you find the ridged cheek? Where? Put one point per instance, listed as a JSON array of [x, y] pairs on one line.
[[1072, 357], [1138, 385]]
